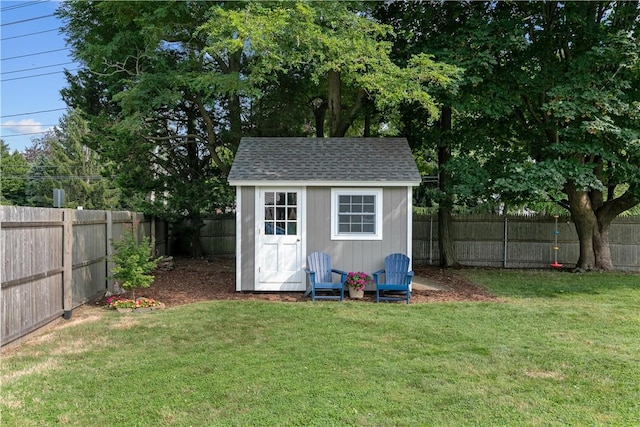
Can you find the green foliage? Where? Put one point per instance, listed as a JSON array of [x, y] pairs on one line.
[[61, 159], [165, 114], [13, 176], [322, 37], [133, 262]]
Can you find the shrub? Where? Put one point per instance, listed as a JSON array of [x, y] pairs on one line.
[[133, 262]]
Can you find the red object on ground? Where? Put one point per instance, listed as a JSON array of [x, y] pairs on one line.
[[555, 264]]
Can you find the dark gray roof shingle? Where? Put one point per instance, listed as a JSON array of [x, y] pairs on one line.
[[324, 160]]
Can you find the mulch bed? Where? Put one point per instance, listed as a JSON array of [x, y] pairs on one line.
[[202, 279]]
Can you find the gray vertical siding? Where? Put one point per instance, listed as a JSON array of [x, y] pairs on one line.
[[354, 255], [248, 238]]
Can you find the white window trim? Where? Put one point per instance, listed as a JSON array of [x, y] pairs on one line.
[[337, 192]]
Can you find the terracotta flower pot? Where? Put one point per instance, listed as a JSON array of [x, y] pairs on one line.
[[356, 294]]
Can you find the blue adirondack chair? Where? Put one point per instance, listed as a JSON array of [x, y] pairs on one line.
[[321, 280], [397, 279]]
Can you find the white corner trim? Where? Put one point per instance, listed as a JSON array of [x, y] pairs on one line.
[[238, 239], [410, 226]]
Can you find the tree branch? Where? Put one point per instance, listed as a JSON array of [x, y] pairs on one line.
[[211, 135]]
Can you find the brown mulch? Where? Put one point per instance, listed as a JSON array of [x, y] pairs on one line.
[[200, 279]]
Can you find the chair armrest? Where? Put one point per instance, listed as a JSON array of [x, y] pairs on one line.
[[409, 277], [312, 275], [343, 274], [376, 275]]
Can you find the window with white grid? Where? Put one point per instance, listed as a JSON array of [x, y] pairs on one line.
[[356, 214]]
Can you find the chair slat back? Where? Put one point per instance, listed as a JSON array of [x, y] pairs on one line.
[[396, 267], [320, 262]]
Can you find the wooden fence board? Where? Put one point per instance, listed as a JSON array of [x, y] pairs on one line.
[[479, 240], [33, 266], [54, 260]]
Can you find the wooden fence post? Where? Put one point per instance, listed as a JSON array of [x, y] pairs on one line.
[[109, 250], [67, 264], [152, 233], [506, 243], [430, 240]]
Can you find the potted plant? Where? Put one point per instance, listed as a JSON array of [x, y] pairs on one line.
[[356, 282]]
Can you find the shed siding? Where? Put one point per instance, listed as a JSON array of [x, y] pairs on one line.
[[354, 255], [248, 250]]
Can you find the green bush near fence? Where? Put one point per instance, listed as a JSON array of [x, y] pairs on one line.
[[133, 262], [560, 349]]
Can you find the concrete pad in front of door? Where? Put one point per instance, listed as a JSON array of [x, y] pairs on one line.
[[420, 283]]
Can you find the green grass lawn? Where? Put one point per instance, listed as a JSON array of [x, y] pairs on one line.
[[561, 349]]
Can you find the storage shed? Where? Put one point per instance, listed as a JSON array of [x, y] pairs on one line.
[[349, 197]]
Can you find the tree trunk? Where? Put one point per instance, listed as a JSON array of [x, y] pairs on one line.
[[334, 103], [367, 125], [196, 246], [445, 221], [235, 110], [320, 123], [445, 240], [193, 228], [586, 224], [319, 107], [601, 247]]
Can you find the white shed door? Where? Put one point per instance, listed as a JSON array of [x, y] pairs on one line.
[[279, 243]]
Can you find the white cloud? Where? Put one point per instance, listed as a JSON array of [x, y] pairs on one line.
[[25, 126]]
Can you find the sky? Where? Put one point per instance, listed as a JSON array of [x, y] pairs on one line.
[[33, 55]]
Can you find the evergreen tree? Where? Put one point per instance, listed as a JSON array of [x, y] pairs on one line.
[[64, 162], [13, 176]]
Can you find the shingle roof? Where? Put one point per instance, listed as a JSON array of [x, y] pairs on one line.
[[319, 160]]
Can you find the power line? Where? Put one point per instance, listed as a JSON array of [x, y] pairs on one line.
[[34, 54], [23, 134], [36, 68], [18, 6], [35, 75], [31, 113], [27, 20], [30, 34], [17, 124], [58, 177]]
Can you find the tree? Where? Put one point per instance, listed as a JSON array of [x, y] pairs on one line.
[[165, 112], [339, 47], [578, 95], [168, 87], [62, 161], [548, 103], [445, 29], [13, 171]]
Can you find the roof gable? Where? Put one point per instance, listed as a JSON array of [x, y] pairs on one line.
[[324, 160]]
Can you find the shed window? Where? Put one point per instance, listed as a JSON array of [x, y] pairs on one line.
[[356, 214], [280, 213]]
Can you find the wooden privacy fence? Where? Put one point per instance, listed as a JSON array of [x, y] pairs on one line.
[[54, 260], [483, 240], [521, 241]]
